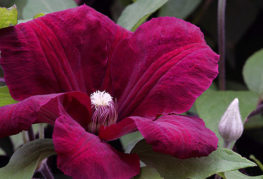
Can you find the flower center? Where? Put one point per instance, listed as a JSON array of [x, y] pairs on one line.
[[100, 98], [104, 110]]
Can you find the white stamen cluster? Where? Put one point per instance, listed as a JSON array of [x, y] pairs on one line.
[[104, 110], [100, 98]]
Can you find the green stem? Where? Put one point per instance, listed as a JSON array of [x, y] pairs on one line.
[[227, 144], [41, 131], [24, 137], [260, 165]]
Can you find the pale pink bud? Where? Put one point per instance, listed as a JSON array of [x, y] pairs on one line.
[[231, 126]]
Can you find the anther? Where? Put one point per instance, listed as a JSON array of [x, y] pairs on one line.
[[104, 110]]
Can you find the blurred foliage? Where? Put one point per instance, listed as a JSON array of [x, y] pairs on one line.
[[148, 173], [7, 3], [8, 17], [179, 8], [18, 139], [5, 96], [253, 73], [29, 8], [38, 15]]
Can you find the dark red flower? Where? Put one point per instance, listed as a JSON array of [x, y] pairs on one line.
[[96, 81]]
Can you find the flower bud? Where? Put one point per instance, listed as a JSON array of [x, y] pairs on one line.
[[231, 126]]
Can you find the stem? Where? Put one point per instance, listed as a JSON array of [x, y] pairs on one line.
[[260, 165], [45, 171], [25, 137], [227, 144], [41, 131], [221, 42], [30, 133]]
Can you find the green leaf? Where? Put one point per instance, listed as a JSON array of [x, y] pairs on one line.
[[8, 17], [5, 97], [136, 13], [169, 167], [212, 104], [179, 8], [29, 8], [148, 173], [238, 175], [128, 141], [24, 161], [253, 73]]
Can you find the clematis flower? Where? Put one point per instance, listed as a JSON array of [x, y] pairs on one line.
[[95, 82]]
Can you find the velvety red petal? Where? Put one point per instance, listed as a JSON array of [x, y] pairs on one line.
[[44, 109], [179, 136], [84, 155], [117, 130], [163, 67], [62, 51]]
